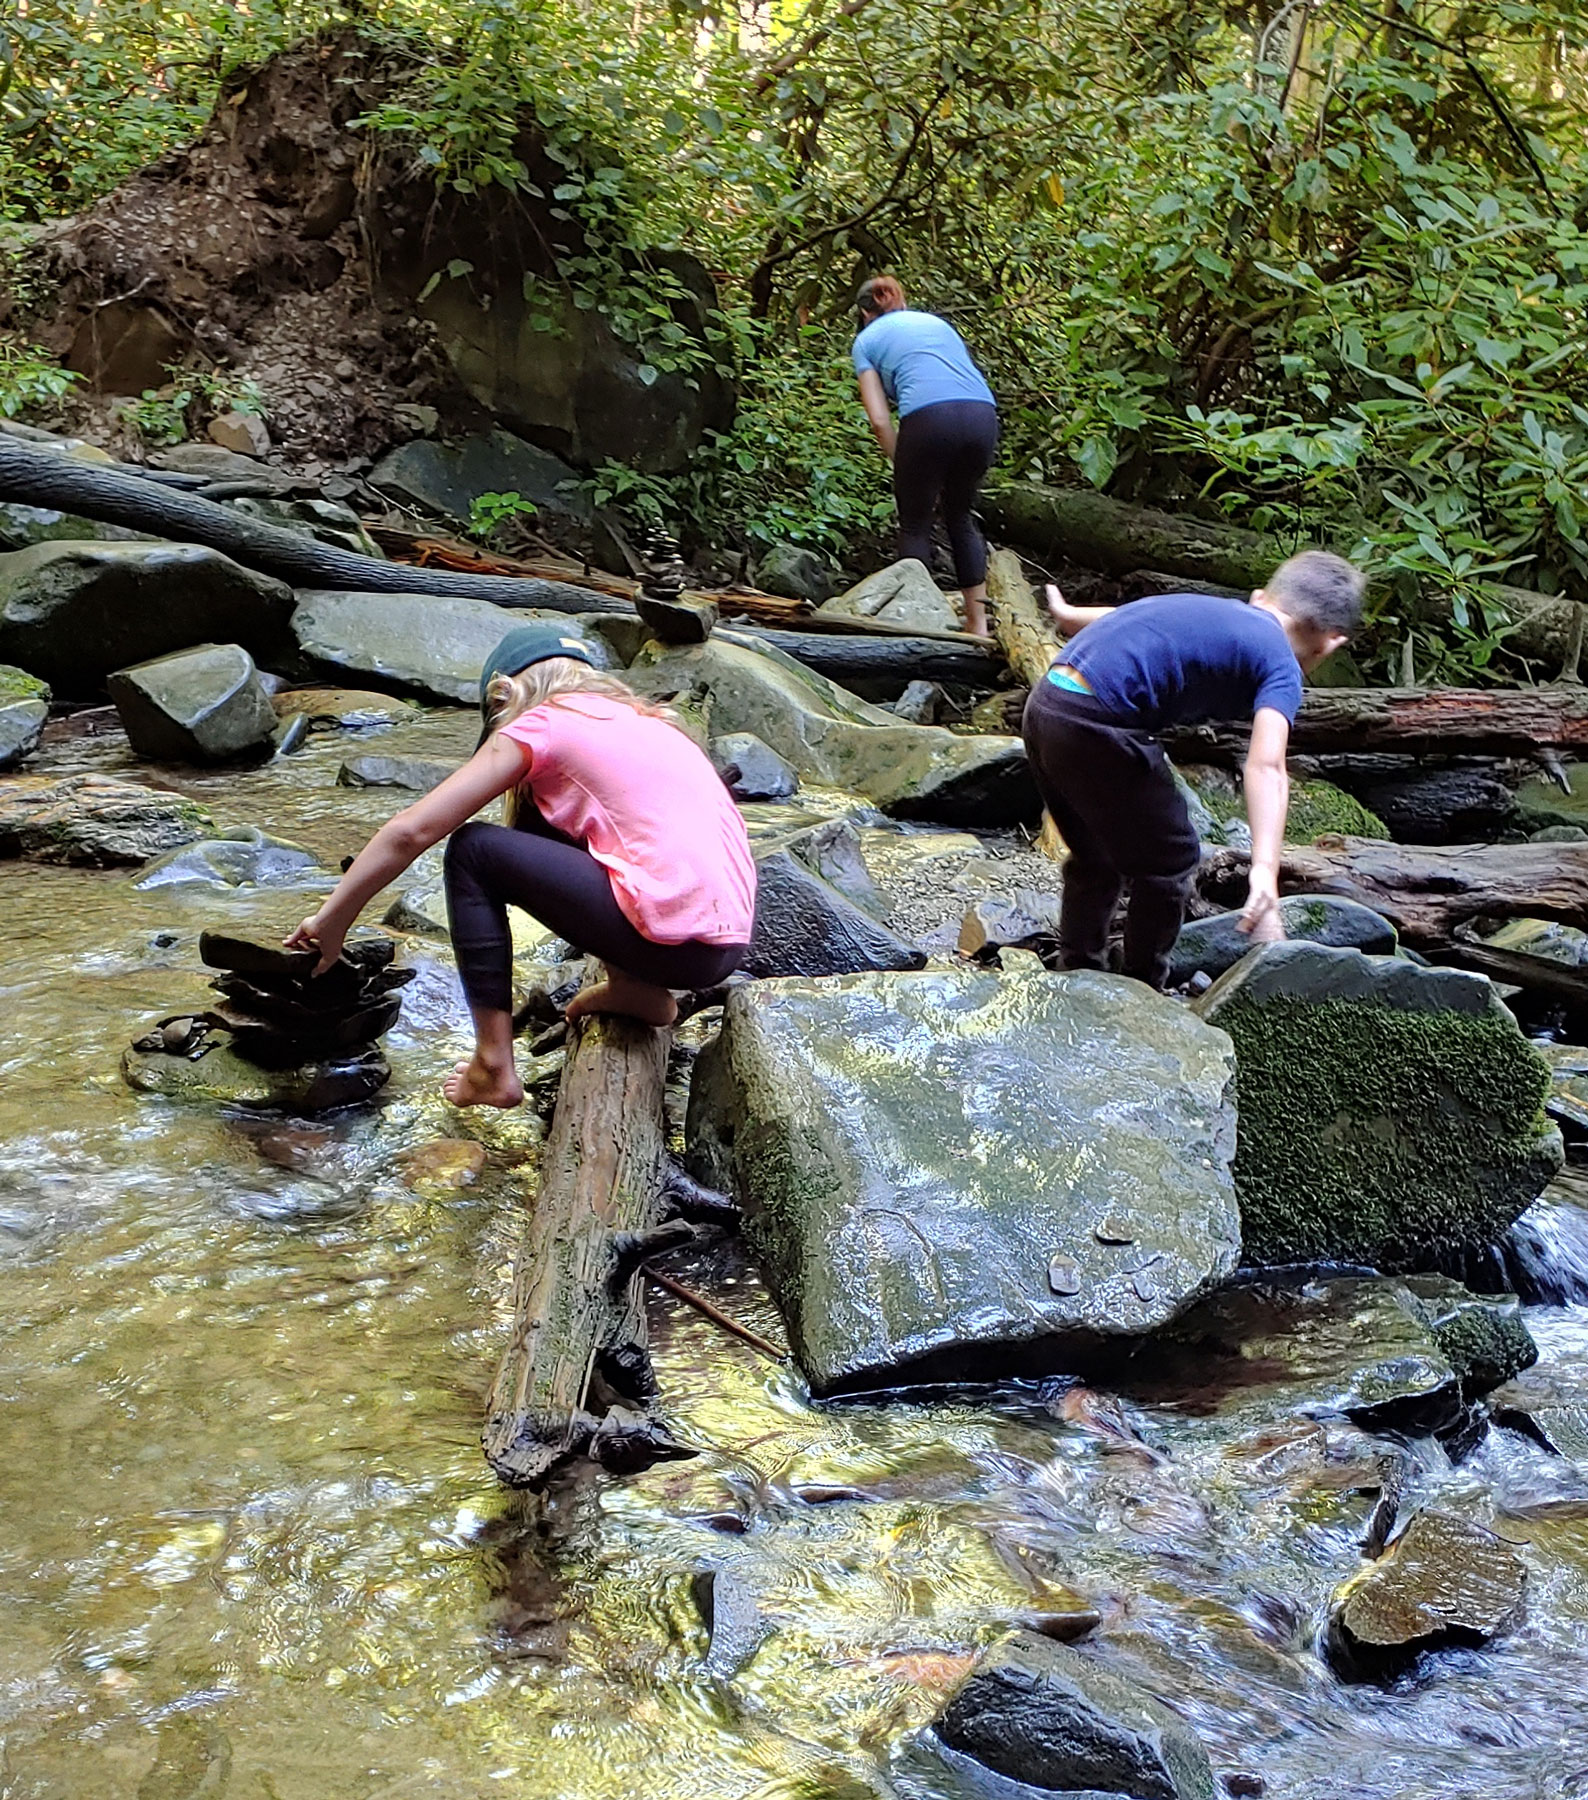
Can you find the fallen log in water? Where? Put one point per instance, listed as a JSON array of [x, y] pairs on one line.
[[575, 1380], [1427, 893], [39, 477], [1432, 721]]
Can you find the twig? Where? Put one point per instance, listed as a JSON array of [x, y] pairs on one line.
[[702, 1305]]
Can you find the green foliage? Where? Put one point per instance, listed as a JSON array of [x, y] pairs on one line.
[[29, 378], [488, 513], [220, 391], [159, 417]]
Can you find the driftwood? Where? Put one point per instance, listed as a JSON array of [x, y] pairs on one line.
[[1538, 974], [575, 1380], [1030, 644], [1082, 526], [38, 477], [1434, 721], [1427, 893]]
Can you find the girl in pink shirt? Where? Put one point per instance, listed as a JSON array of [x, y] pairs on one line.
[[621, 837]]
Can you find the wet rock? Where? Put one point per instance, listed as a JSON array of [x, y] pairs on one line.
[[1483, 1336], [913, 1151], [1543, 937], [1039, 1712], [902, 594], [1316, 808], [1559, 834], [24, 711], [1391, 1115], [419, 644], [1216, 944], [921, 703], [833, 850], [677, 618], [752, 770], [448, 478], [1024, 918], [201, 705], [796, 573], [1443, 1581], [344, 709], [1540, 802], [1441, 806], [243, 433], [805, 926], [244, 856], [731, 1611], [410, 772], [223, 1077], [94, 820], [72, 613], [911, 771]]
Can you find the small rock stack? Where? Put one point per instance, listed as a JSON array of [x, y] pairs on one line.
[[281, 1035]]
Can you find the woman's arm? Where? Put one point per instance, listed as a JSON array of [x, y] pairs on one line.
[[878, 411], [495, 767]]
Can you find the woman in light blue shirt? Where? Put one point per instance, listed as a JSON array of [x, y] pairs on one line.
[[947, 433]]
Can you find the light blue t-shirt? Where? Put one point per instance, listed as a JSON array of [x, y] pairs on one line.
[[922, 360]]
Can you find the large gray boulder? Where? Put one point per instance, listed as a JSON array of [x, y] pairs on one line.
[[1041, 1713], [448, 478], [955, 1174], [71, 613], [829, 736], [904, 593], [203, 705], [1391, 1115], [419, 644]]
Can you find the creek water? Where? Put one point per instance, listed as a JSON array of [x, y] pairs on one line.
[[248, 1545]]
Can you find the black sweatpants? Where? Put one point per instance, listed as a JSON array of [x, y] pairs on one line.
[[1111, 794], [942, 453], [492, 867]]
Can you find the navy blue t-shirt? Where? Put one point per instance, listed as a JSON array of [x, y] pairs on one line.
[[1177, 659]]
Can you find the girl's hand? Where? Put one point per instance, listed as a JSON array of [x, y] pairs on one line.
[[315, 934]]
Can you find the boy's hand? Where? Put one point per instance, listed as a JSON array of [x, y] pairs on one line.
[[314, 934], [1069, 619], [1260, 917]]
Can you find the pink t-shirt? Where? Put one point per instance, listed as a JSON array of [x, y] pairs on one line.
[[649, 807]]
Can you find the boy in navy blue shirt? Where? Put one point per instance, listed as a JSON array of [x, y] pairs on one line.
[[1091, 728]]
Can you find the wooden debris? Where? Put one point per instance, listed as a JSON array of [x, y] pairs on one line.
[[1029, 642]]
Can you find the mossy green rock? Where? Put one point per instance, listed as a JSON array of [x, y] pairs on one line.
[[1483, 1336], [94, 820], [962, 1175], [1390, 1115], [831, 737], [24, 708], [1316, 809]]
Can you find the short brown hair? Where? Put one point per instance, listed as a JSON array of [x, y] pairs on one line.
[[1319, 589], [879, 295]]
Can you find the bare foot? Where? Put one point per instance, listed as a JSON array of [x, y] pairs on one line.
[[621, 993], [473, 1084]]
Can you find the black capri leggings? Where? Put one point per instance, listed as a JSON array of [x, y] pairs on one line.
[[942, 453], [489, 867]]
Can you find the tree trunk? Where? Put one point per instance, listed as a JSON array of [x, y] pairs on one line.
[[1082, 526], [46, 478], [1429, 721], [1029, 642], [575, 1379], [863, 661], [1427, 893]]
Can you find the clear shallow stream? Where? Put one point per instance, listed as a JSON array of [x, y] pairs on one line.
[[248, 1546]]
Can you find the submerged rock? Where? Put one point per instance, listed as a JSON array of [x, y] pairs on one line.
[[222, 1077], [1039, 1712], [202, 705], [829, 736], [957, 1175], [410, 772], [245, 856], [74, 612], [1443, 1581], [341, 709], [805, 926], [1216, 944], [902, 594], [94, 820], [1391, 1115], [420, 644], [752, 770]]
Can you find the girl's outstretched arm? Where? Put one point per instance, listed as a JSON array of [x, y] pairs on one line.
[[496, 766]]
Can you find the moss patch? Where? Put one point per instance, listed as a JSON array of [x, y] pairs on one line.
[[1389, 1137], [17, 684], [1316, 807]]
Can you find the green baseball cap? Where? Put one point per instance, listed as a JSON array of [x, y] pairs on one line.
[[526, 646]]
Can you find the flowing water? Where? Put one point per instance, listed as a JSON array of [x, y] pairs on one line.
[[248, 1546]]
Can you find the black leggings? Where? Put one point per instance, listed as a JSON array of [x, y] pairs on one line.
[[942, 453], [489, 867]]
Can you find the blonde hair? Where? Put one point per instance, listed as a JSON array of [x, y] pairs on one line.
[[554, 679]]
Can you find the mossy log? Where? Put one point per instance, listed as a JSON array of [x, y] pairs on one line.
[[38, 477], [1433, 721], [1079, 525], [1427, 893], [869, 662], [1029, 642], [575, 1380]]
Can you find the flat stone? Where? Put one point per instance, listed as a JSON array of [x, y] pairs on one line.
[[1040, 1712], [418, 644], [796, 573], [751, 769], [1543, 937], [994, 924], [223, 1078], [902, 594], [72, 613], [914, 1150], [345, 709], [805, 926], [201, 705], [242, 857], [94, 820], [677, 621], [1391, 1115], [245, 434], [216, 463], [830, 737], [22, 525], [1216, 944], [1443, 1581], [410, 772]]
